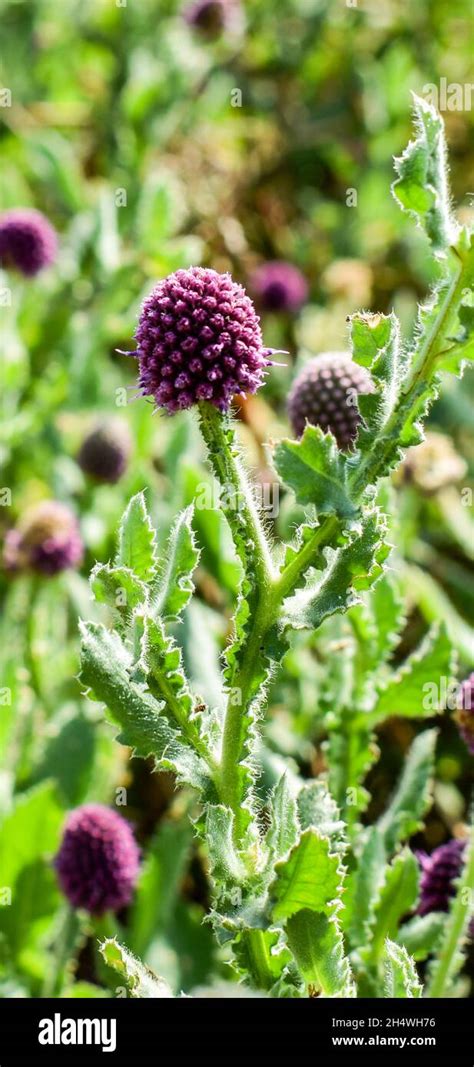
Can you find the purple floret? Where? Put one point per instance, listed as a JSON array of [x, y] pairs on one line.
[[439, 871], [27, 240], [465, 713], [280, 286], [98, 861], [199, 338]]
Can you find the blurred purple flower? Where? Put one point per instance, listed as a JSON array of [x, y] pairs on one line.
[[47, 540], [199, 338], [105, 451], [279, 286], [324, 395], [27, 240], [439, 872], [465, 713], [211, 17], [98, 861]]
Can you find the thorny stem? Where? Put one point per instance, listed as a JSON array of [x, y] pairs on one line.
[[252, 544]]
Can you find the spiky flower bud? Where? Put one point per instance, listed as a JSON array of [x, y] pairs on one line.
[[27, 240], [279, 286], [325, 394], [46, 540], [105, 451], [432, 465], [199, 338], [439, 872], [465, 713], [98, 861]]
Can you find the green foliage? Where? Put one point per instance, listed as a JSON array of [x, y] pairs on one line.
[[205, 617], [139, 980]]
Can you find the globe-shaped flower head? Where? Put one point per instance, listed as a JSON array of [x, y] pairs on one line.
[[199, 338], [46, 540], [279, 286], [465, 712], [98, 861], [27, 240], [105, 451], [325, 395]]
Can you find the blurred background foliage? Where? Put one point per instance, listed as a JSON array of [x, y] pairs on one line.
[[150, 147]]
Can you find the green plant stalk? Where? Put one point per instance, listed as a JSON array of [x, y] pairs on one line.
[[243, 518], [247, 529], [65, 945], [457, 924], [426, 351], [258, 958]]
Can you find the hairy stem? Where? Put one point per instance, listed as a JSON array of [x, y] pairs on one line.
[[238, 502]]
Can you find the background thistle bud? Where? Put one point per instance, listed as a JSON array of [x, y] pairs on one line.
[[439, 872], [324, 394], [211, 17], [27, 240], [105, 451], [98, 861], [279, 286], [199, 338], [47, 540], [465, 713]]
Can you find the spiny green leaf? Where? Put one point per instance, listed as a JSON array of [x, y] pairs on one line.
[[226, 864], [375, 343], [175, 586], [348, 569], [407, 692], [261, 953], [317, 946], [284, 826], [105, 667], [396, 898], [421, 934], [318, 810], [137, 540], [310, 877], [401, 978], [118, 587], [422, 183], [140, 980], [364, 883], [404, 814], [315, 470]]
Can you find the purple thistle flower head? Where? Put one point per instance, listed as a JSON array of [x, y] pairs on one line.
[[98, 861], [105, 451], [324, 394], [46, 540], [465, 713], [439, 872], [199, 338], [211, 17], [27, 240], [279, 286]]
